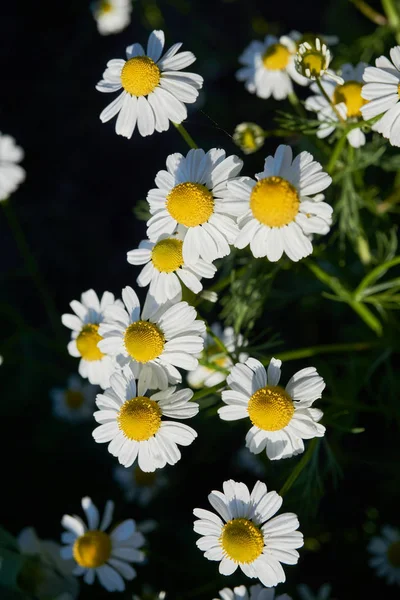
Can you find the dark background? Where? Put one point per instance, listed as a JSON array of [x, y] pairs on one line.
[[76, 208]]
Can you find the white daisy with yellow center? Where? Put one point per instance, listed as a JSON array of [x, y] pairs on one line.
[[245, 535], [155, 90], [347, 100], [249, 137], [101, 554], [75, 403], [192, 196], [165, 268], [112, 16], [155, 342], [131, 420], [219, 361], [382, 90], [385, 550], [138, 485], [313, 59], [283, 208], [94, 365], [269, 67], [282, 417], [255, 592], [11, 173]]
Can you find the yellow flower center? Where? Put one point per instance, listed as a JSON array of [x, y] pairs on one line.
[[276, 57], [144, 341], [140, 76], [92, 549], [87, 341], [144, 479], [105, 7], [167, 255], [241, 540], [249, 140], [74, 399], [190, 204], [274, 201], [393, 554], [139, 418], [350, 94], [271, 408], [314, 61]]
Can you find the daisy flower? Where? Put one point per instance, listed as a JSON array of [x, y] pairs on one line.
[[385, 550], [165, 268], [305, 592], [214, 355], [138, 485], [45, 574], [89, 313], [155, 342], [154, 90], [381, 90], [99, 553], [11, 173], [249, 137], [112, 16], [75, 403], [256, 592], [269, 67], [347, 100], [313, 59], [132, 423], [192, 195], [245, 535], [280, 211], [281, 418]]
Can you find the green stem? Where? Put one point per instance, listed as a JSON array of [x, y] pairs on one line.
[[323, 349], [186, 136], [328, 99], [299, 467], [295, 102], [32, 266], [369, 12], [335, 154], [208, 391], [393, 17]]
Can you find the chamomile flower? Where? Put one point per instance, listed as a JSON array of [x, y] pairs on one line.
[[154, 88], [305, 592], [209, 376], [165, 268], [192, 195], [256, 592], [155, 342], [347, 100], [112, 16], [385, 550], [101, 554], [282, 417], [313, 59], [246, 536], [269, 67], [89, 313], [280, 211], [75, 403], [11, 173], [132, 422], [249, 137], [381, 89], [137, 485], [45, 574]]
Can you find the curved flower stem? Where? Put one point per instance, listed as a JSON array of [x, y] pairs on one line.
[[299, 467], [393, 17], [208, 391], [324, 349], [186, 136], [370, 12], [295, 102], [32, 266], [336, 153], [329, 100], [220, 343]]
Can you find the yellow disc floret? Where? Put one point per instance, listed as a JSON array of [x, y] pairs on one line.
[[241, 540], [167, 256], [105, 7], [144, 341], [92, 549], [139, 418], [393, 554], [350, 94], [313, 63], [74, 399], [274, 202], [190, 204], [271, 408], [276, 57], [140, 76], [87, 341]]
